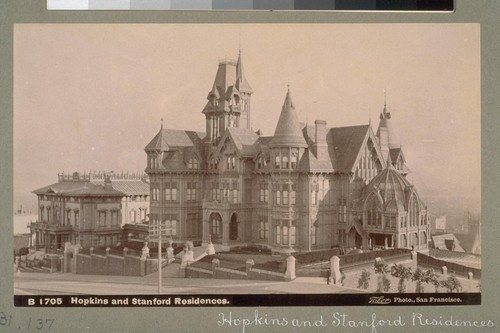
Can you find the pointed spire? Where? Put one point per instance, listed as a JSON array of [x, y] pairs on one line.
[[288, 132], [161, 124], [241, 82]]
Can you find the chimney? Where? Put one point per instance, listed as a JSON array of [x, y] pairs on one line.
[[320, 147], [107, 182]]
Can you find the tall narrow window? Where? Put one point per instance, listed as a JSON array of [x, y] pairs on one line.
[[285, 197], [278, 197], [285, 235], [293, 161], [292, 236], [277, 234], [314, 195], [314, 230], [285, 162]]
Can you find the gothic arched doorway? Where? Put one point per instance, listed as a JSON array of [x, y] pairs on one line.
[[354, 238], [233, 227], [215, 225]]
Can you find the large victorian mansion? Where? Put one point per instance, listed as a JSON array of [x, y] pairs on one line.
[[307, 187]]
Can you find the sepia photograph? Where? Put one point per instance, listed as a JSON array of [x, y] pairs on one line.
[[177, 164]]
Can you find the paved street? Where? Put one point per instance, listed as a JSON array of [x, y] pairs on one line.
[[29, 283]]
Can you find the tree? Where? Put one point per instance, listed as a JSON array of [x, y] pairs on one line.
[[383, 283], [452, 284], [419, 277], [402, 273], [431, 277], [364, 279]]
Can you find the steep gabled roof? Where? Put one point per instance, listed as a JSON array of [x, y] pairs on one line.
[[469, 242], [167, 139], [309, 162], [288, 132], [245, 140], [394, 153], [447, 242], [347, 143]]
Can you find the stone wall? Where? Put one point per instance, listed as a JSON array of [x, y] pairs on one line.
[[110, 264], [250, 272]]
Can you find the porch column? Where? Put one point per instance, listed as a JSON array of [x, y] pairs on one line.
[[225, 232], [204, 225], [365, 242]]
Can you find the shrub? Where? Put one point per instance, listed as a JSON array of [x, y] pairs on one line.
[[452, 284], [402, 273], [381, 269], [419, 277], [364, 279]]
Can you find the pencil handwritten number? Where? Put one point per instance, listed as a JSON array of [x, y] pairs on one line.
[[4, 319], [29, 324], [41, 324]]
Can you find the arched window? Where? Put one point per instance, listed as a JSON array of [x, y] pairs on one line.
[[373, 211], [215, 225], [413, 211]]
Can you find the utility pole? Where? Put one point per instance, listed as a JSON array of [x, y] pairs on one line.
[[159, 257]]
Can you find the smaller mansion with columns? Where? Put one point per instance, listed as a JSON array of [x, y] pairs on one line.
[[307, 187], [90, 209]]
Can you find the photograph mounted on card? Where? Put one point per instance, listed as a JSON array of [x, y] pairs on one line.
[[246, 165]]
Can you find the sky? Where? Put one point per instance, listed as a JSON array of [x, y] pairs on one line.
[[91, 97]]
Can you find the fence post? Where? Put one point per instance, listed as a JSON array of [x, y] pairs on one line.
[[336, 276], [215, 266], [290, 268], [67, 258], [444, 270]]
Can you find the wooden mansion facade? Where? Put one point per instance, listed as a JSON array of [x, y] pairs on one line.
[[304, 188]]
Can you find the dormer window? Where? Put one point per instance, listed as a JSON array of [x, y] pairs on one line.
[[277, 162], [285, 162], [231, 163], [261, 162], [153, 162], [293, 159], [193, 163]]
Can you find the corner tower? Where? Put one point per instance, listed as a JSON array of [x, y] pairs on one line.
[[228, 101], [385, 133]]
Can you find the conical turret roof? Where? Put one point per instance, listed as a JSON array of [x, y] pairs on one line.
[[241, 81], [288, 132], [385, 122]]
